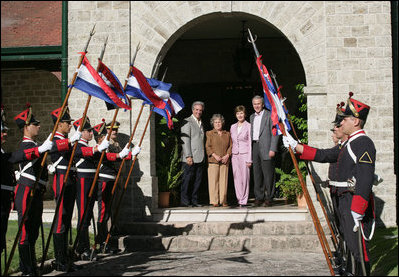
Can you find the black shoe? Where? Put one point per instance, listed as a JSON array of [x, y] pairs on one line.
[[197, 205], [59, 266], [85, 256], [184, 205], [268, 203], [258, 203]]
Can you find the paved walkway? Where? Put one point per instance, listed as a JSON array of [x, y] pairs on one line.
[[208, 263]]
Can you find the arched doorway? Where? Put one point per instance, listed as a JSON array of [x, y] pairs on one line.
[[213, 62]]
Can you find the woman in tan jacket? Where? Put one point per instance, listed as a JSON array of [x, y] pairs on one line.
[[218, 148]]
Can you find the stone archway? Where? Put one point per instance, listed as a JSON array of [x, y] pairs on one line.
[[204, 64], [157, 26]]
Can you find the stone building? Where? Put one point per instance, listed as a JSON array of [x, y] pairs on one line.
[[330, 47]]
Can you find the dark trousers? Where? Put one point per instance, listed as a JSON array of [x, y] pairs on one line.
[[82, 194], [191, 173], [103, 198], [30, 230], [6, 198], [347, 224], [63, 220], [264, 185]]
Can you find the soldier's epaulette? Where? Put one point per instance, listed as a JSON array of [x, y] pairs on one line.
[[111, 157], [62, 145], [32, 153], [87, 151], [359, 204]]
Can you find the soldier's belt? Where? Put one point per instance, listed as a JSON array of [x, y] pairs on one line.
[[86, 170], [64, 167], [112, 177], [340, 184], [10, 188], [33, 178]]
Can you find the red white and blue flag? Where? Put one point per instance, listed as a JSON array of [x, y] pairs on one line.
[[112, 81], [106, 87], [273, 100], [140, 87]]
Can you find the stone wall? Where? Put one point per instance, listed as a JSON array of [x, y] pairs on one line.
[[343, 46]]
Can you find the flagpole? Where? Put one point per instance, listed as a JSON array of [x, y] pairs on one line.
[[126, 183], [311, 177], [154, 72], [102, 154], [129, 143], [309, 202], [28, 206]]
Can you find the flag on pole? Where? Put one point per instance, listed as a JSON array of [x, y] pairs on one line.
[[273, 100], [88, 80], [112, 81], [143, 88], [163, 90]]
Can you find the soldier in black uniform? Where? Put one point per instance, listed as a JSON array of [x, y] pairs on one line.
[[8, 181], [26, 179], [354, 175], [86, 158], [107, 175], [338, 138], [60, 156]]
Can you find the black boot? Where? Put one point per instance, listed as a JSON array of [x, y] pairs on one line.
[[33, 257], [84, 245], [60, 262], [25, 260]]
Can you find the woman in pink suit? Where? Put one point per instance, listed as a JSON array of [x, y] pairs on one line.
[[241, 159]]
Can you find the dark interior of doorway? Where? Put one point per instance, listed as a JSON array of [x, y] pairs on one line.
[[202, 64], [221, 98]]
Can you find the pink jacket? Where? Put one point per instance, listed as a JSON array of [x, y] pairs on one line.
[[242, 142]]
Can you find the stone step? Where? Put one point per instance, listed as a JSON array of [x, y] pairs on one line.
[[256, 228], [193, 243], [209, 214]]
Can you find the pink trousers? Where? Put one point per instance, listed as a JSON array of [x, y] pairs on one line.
[[241, 177]]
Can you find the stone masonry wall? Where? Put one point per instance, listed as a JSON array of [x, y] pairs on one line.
[[343, 46]]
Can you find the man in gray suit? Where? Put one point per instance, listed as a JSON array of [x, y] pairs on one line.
[[193, 154], [264, 148]]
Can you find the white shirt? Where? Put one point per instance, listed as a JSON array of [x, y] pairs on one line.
[[199, 122], [257, 121], [239, 129]]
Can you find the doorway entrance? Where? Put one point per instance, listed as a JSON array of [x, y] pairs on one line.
[[213, 62]]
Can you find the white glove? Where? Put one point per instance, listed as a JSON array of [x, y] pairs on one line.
[[103, 146], [75, 137], [136, 150], [357, 218], [125, 151], [288, 141], [46, 146]]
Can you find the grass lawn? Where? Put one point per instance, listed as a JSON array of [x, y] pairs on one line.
[[12, 231], [384, 252]]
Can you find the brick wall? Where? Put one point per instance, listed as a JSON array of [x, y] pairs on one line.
[[42, 90]]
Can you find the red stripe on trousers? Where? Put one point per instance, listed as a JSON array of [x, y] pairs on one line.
[[102, 202], [23, 236], [61, 205], [82, 198]]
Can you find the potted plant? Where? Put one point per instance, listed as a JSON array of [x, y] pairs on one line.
[[289, 185], [168, 164]]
